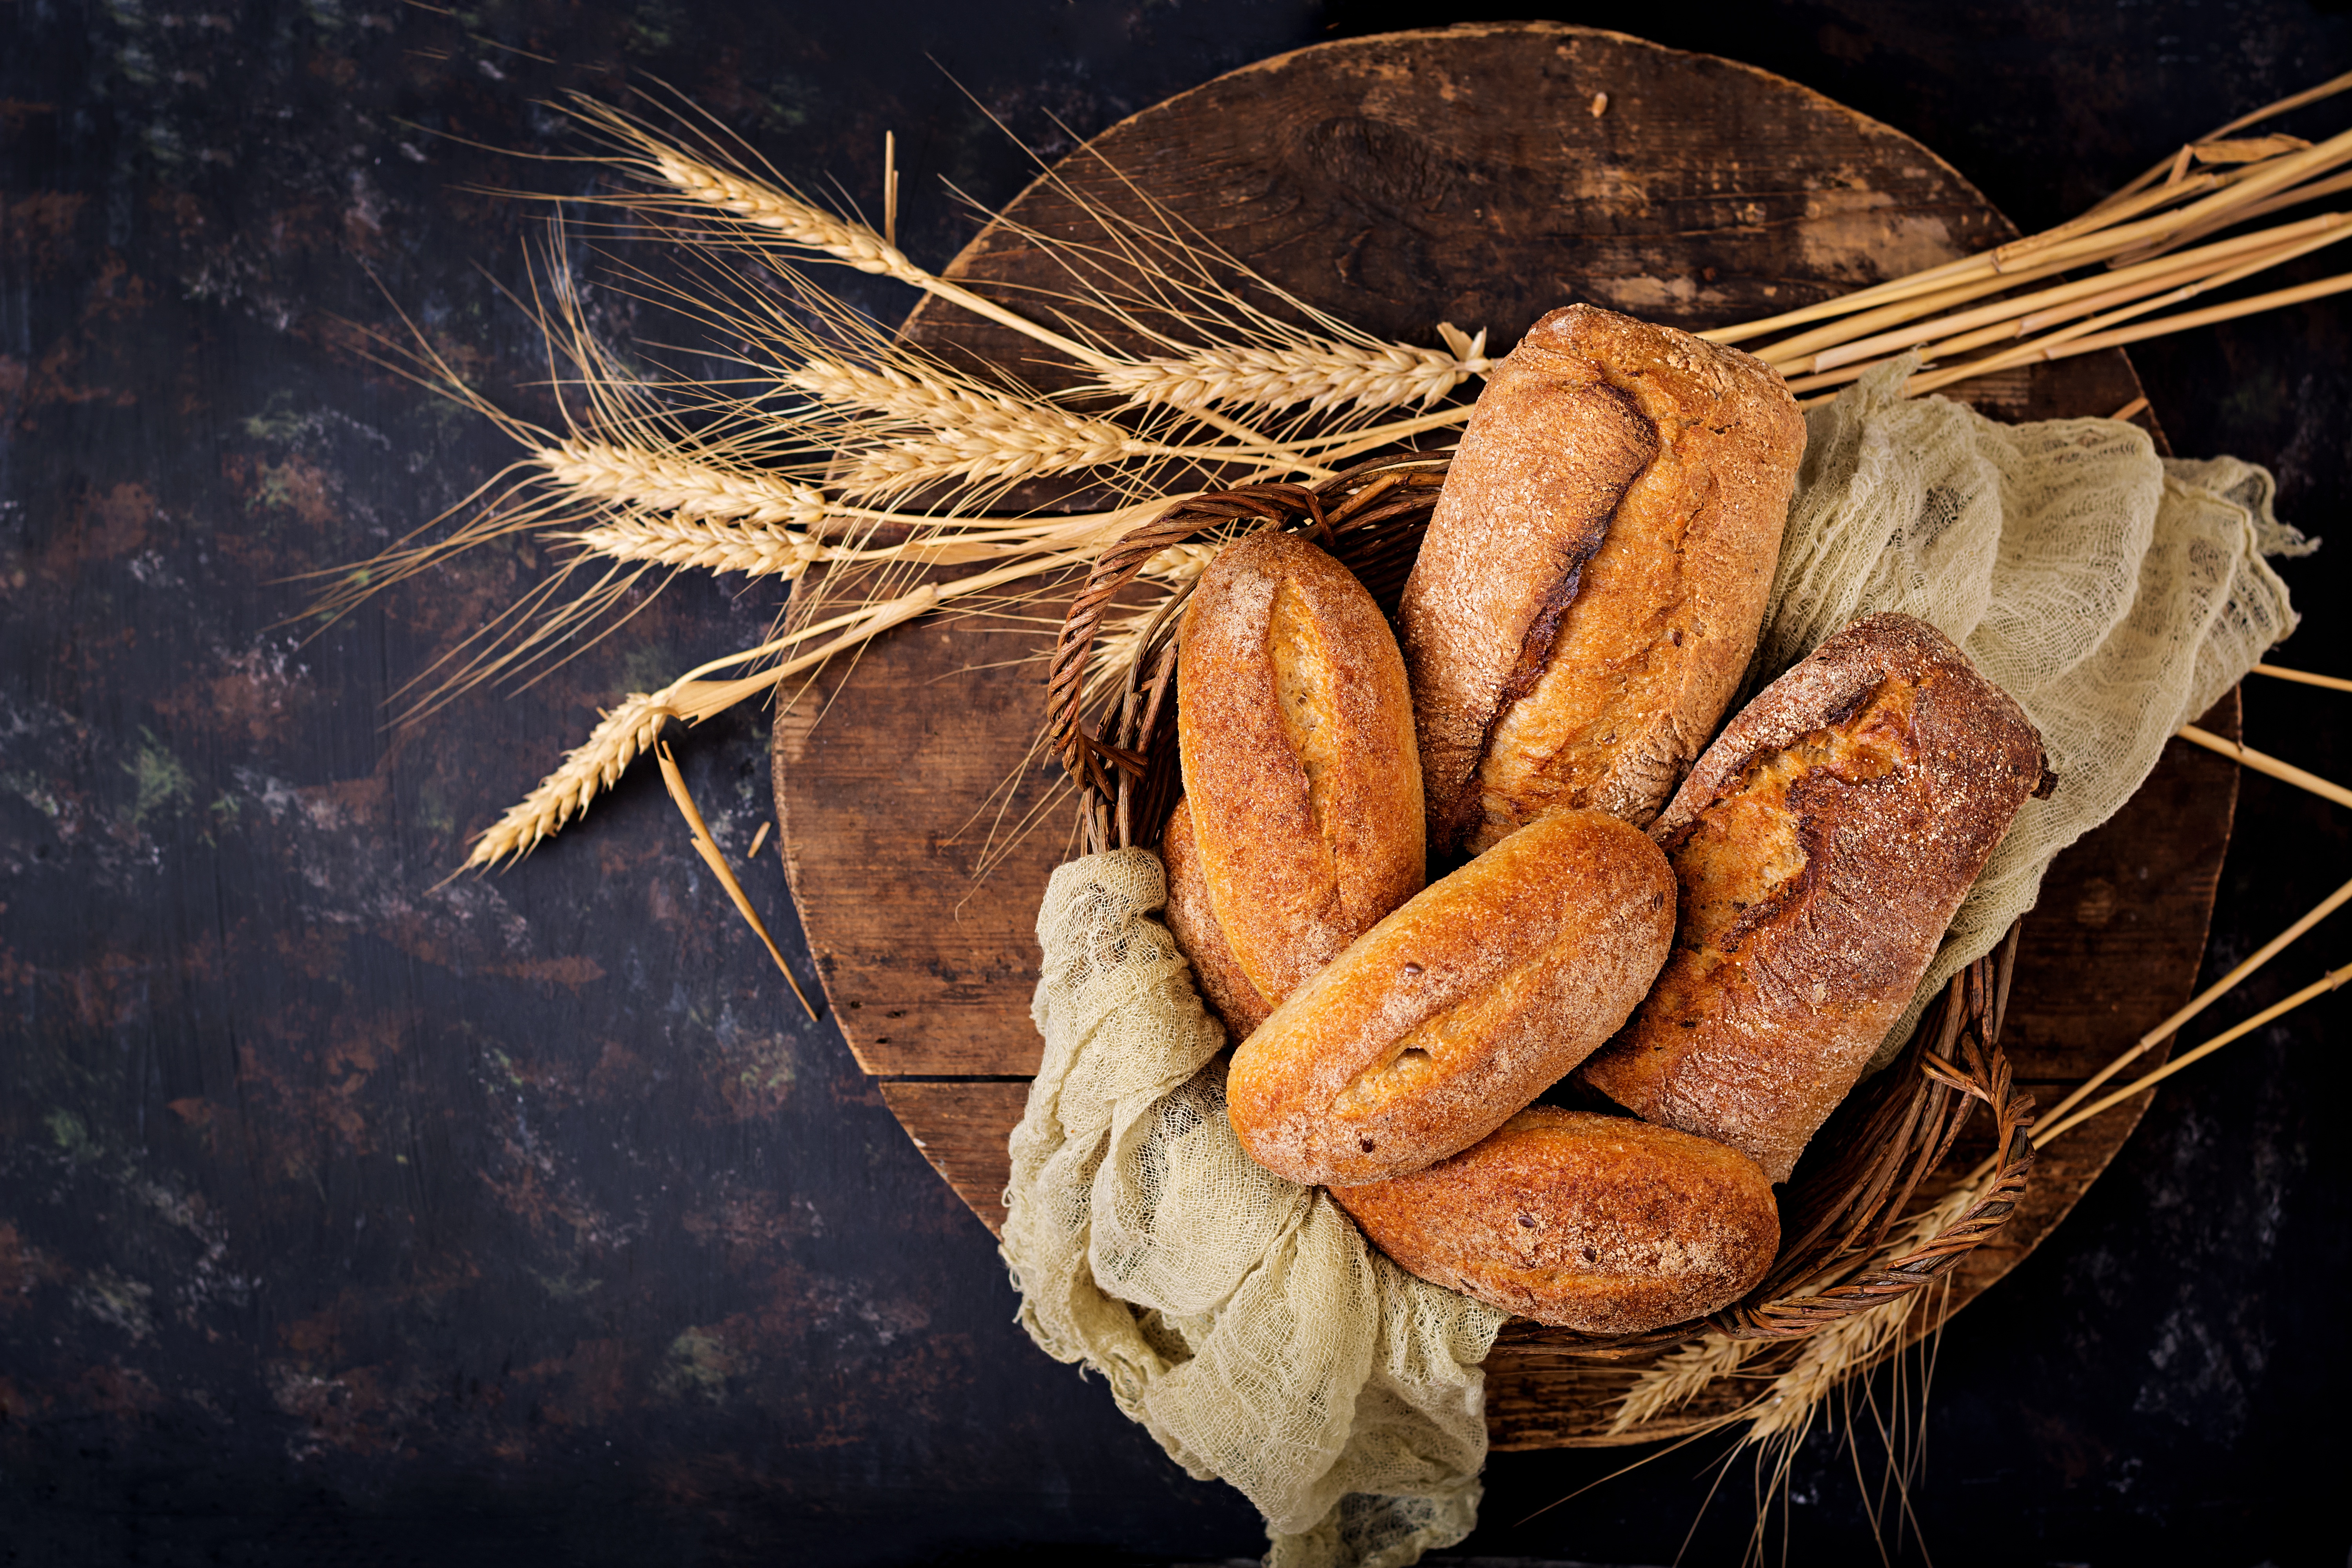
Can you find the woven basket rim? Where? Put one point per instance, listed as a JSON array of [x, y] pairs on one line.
[[1893, 1132]]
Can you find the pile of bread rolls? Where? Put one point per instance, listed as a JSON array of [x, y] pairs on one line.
[[1714, 937]]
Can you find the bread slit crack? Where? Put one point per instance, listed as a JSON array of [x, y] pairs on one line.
[[1305, 698]]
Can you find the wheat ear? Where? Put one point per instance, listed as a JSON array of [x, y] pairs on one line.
[[626, 731], [776, 209], [613, 474], [762, 551], [1680, 1378], [596, 764], [1786, 1408], [1828, 1359], [1320, 372]]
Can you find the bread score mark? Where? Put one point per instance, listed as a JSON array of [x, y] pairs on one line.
[[1614, 463], [1306, 698], [1758, 847], [1462, 1018]]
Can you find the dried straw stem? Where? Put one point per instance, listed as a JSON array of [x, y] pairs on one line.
[[2326, 983], [2304, 677], [708, 848], [2196, 1005], [2092, 238], [2212, 258], [2158, 170], [2264, 763]]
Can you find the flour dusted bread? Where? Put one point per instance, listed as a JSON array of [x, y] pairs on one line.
[[1192, 921], [1593, 580], [1294, 731], [1437, 1025], [1821, 845], [1601, 1223]]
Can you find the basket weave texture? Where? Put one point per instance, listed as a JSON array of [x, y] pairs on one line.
[[1865, 1165]]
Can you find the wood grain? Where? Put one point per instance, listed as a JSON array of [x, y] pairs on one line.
[[963, 1127], [1454, 176]]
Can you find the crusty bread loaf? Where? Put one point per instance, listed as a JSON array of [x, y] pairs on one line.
[[1601, 1223], [1822, 844], [1194, 922], [1434, 1027], [1591, 583], [1295, 730]]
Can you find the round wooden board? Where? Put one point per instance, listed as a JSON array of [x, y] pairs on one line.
[[1461, 175]]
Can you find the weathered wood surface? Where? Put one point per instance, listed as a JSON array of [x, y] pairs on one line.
[[1398, 182]]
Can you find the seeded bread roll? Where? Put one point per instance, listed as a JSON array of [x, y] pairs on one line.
[[1295, 730], [1591, 583], [1193, 923], [1601, 1223], [1437, 1025], [1821, 845]]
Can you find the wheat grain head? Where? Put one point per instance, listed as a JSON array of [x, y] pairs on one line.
[[595, 764], [664, 479], [1320, 373], [1680, 1378]]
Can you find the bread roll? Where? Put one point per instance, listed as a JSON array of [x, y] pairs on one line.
[[1295, 730], [1591, 583], [1228, 991], [1822, 844], [1601, 1223], [1442, 1021]]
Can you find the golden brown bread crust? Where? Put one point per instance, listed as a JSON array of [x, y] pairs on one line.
[[1822, 844], [1440, 1022], [1194, 922], [1601, 1223], [1591, 583], [1294, 728]]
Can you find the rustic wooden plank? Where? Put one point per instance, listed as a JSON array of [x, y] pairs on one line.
[[897, 778], [963, 1127]]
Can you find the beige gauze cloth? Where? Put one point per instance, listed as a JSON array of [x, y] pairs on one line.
[[1243, 1319]]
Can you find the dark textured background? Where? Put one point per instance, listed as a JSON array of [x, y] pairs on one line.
[[348, 1219]]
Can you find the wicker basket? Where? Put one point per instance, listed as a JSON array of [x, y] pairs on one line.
[[1863, 1169]]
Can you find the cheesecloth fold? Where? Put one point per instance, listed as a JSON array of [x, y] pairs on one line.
[[1243, 1319]]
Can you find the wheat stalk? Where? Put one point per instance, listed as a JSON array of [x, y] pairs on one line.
[[596, 764], [1321, 374], [764, 551], [1785, 1407], [613, 473], [761, 551], [705, 846], [929, 426], [631, 728], [1680, 1378], [1830, 1354], [1179, 563], [778, 210], [1785, 1410]]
